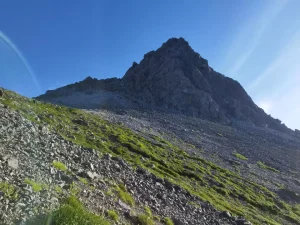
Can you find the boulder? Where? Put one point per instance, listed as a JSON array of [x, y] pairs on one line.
[[13, 163]]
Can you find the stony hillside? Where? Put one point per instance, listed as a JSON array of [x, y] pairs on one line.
[[173, 78], [60, 161], [39, 168]]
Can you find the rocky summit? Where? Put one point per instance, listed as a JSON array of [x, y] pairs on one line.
[[173, 142], [173, 78]]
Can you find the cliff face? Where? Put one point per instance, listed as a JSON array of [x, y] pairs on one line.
[[176, 78]]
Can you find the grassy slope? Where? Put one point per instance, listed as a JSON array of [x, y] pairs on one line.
[[71, 212], [226, 190]]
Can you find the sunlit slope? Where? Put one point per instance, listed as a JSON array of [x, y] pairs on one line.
[[226, 190]]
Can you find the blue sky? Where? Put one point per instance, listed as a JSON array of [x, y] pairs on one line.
[[51, 43]]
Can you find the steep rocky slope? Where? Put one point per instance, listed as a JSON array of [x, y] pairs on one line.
[[39, 167], [49, 152], [28, 152], [173, 78]]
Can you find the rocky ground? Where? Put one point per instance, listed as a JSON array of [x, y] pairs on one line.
[[34, 185], [165, 161], [218, 143]]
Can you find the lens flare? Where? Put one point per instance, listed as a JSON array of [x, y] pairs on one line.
[[22, 58]]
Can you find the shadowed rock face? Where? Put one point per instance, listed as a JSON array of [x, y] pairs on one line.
[[176, 78]]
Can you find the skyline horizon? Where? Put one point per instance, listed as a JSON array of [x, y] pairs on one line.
[[120, 77], [45, 45]]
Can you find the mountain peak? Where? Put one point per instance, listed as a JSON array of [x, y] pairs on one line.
[[176, 78], [176, 42], [177, 47]]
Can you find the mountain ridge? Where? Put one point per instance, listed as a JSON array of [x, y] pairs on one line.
[[176, 78]]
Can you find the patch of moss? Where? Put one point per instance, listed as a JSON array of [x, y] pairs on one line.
[[108, 192], [59, 166], [72, 212], [74, 189], [148, 211], [113, 215], [144, 219], [264, 166], [36, 187], [240, 156], [124, 195], [156, 218], [194, 204], [168, 221], [58, 189], [83, 180], [9, 191]]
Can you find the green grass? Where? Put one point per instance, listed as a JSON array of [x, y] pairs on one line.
[[148, 211], [144, 219], [168, 221], [72, 212], [36, 187], [83, 180], [124, 195], [74, 189], [108, 192], [59, 166], [266, 167], [113, 215], [224, 189], [156, 218], [58, 189], [239, 156], [9, 191], [194, 204]]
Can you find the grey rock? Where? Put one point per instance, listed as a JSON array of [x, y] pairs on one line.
[[141, 170], [242, 221], [124, 205], [91, 166], [177, 221], [92, 175], [66, 178], [107, 156], [226, 214], [13, 163]]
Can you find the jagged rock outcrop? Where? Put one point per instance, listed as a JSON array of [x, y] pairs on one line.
[[174, 78]]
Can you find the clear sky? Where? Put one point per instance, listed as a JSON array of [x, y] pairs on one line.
[[50, 43]]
